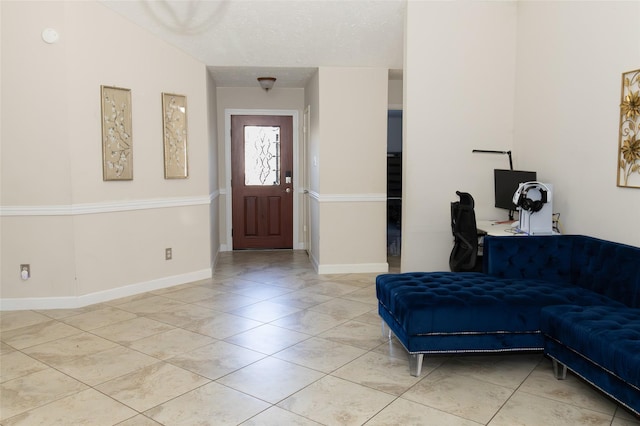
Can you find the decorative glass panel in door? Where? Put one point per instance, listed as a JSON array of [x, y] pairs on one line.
[[261, 155]]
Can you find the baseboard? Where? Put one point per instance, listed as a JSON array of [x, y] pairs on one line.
[[356, 268], [73, 302], [314, 261], [296, 246]]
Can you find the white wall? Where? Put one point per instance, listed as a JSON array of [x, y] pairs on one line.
[[567, 109], [539, 78], [214, 184], [395, 94], [86, 239], [312, 162], [459, 80], [348, 150]]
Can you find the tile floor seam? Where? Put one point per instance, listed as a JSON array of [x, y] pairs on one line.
[[168, 400], [50, 401], [568, 403]]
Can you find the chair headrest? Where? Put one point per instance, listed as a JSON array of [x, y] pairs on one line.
[[466, 198]]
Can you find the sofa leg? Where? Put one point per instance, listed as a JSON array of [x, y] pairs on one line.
[[415, 364], [386, 331], [559, 370]]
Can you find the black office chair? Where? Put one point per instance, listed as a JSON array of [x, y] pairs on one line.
[[464, 256]]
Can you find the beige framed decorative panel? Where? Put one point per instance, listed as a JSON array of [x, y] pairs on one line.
[[629, 134], [117, 140], [174, 120]]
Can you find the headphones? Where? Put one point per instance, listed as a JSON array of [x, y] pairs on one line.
[[520, 198]]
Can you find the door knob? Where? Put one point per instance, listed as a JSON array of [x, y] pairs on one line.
[[288, 190]]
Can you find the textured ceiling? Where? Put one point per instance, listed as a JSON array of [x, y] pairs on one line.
[[240, 40]]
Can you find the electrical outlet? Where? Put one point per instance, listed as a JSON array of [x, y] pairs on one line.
[[25, 271], [168, 255]]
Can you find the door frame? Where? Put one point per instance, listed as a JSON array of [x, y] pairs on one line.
[[306, 178], [297, 179]]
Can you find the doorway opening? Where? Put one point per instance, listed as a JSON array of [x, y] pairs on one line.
[[263, 214], [394, 188]]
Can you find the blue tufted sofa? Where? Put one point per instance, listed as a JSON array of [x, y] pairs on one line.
[[575, 297]]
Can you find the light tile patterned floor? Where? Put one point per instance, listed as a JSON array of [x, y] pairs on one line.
[[266, 341]]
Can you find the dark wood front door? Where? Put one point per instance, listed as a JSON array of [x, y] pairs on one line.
[[262, 181]]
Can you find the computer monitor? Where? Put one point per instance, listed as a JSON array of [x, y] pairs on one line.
[[506, 184]]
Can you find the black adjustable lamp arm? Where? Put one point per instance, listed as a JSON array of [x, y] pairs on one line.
[[489, 151]]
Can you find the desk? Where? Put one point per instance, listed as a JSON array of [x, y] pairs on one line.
[[498, 229], [502, 229]]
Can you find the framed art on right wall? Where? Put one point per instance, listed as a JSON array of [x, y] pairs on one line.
[[629, 132]]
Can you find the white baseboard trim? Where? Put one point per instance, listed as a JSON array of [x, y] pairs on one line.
[[296, 246], [73, 302], [314, 261], [356, 268]]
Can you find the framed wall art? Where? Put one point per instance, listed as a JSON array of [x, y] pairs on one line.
[[117, 140], [629, 134], [174, 120]]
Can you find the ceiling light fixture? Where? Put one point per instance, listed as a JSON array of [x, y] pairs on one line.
[[266, 82]]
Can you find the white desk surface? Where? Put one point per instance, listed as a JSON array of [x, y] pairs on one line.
[[503, 228], [498, 228]]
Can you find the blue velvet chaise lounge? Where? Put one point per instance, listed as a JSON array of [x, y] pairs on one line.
[[576, 298]]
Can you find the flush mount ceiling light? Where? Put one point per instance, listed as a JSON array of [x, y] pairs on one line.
[[266, 82]]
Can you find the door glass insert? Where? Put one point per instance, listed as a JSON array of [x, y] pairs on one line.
[[261, 155]]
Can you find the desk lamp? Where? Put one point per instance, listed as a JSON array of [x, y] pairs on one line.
[[489, 151]]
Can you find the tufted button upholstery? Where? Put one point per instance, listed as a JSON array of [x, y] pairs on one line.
[[604, 267], [609, 336], [448, 302], [582, 292], [540, 257]]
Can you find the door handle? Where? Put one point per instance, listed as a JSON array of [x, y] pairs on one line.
[[287, 190]]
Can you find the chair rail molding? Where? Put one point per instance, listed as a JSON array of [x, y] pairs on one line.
[[348, 198], [107, 206]]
